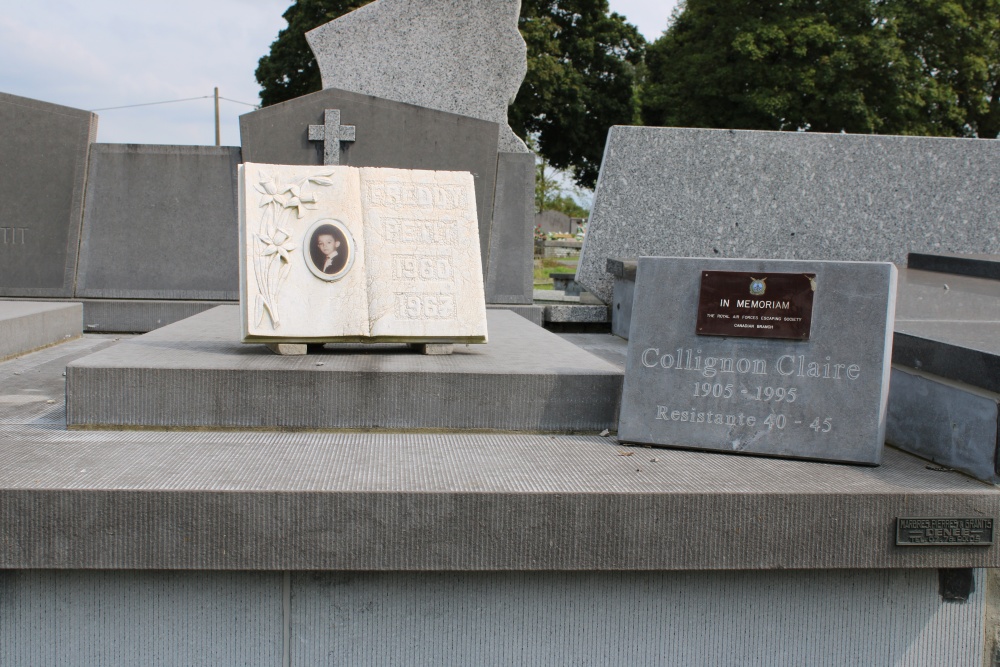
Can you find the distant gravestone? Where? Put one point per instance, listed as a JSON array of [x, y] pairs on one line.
[[788, 195], [783, 358], [160, 223], [465, 57], [364, 131], [554, 222], [338, 254], [44, 150]]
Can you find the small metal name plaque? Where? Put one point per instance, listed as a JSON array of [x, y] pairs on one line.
[[943, 532], [758, 305]]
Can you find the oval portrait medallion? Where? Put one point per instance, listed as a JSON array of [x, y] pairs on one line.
[[331, 250]]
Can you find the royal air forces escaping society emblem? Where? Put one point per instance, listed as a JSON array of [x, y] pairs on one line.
[[757, 286]]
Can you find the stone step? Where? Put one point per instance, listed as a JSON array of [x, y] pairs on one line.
[[31, 325], [196, 374]]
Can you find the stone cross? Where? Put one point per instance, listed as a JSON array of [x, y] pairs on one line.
[[331, 133]]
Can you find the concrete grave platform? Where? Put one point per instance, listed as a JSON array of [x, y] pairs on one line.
[[197, 500], [195, 374], [31, 325]]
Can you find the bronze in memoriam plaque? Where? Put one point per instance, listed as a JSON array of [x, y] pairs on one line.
[[764, 305]]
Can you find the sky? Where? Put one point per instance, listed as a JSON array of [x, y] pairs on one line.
[[109, 53]]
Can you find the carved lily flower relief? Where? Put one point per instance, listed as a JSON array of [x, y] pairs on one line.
[[298, 200], [269, 189], [278, 244]]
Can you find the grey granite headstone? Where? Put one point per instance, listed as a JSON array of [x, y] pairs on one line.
[[462, 56], [788, 195], [820, 398], [160, 223], [44, 151], [554, 221]]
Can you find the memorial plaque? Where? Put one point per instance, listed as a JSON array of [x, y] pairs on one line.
[[818, 396], [339, 254], [943, 532], [777, 305]]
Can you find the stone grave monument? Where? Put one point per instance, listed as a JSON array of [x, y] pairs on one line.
[[788, 195], [466, 58], [785, 358]]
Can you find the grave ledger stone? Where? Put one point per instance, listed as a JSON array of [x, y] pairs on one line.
[[784, 358], [338, 254], [44, 148]]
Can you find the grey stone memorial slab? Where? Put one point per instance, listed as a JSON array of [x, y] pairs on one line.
[[160, 223], [388, 134], [463, 57], [788, 195], [31, 325], [195, 373], [42, 175], [951, 423], [821, 398]]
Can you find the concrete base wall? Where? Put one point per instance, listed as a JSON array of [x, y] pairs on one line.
[[846, 617]]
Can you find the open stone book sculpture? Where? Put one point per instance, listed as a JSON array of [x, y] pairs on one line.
[[342, 254]]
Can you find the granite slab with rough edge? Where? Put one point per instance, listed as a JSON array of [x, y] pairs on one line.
[[42, 179], [462, 56], [839, 374], [387, 134], [330, 253], [196, 374], [30, 325], [160, 223], [951, 423], [418, 502], [788, 195], [576, 313]]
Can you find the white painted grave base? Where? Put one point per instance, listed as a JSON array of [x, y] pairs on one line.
[[843, 617]]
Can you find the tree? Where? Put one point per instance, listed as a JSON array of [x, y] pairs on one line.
[[582, 74], [582, 79], [550, 195], [289, 70], [889, 66]]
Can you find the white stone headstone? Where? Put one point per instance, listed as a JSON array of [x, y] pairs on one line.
[[339, 254]]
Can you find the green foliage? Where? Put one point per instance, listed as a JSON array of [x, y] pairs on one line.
[[289, 70], [582, 78], [889, 66], [582, 74]]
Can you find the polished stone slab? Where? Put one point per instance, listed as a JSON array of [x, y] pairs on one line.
[[510, 273], [138, 315], [42, 178], [821, 398], [160, 223], [196, 374], [30, 325], [788, 195], [948, 422], [972, 265]]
